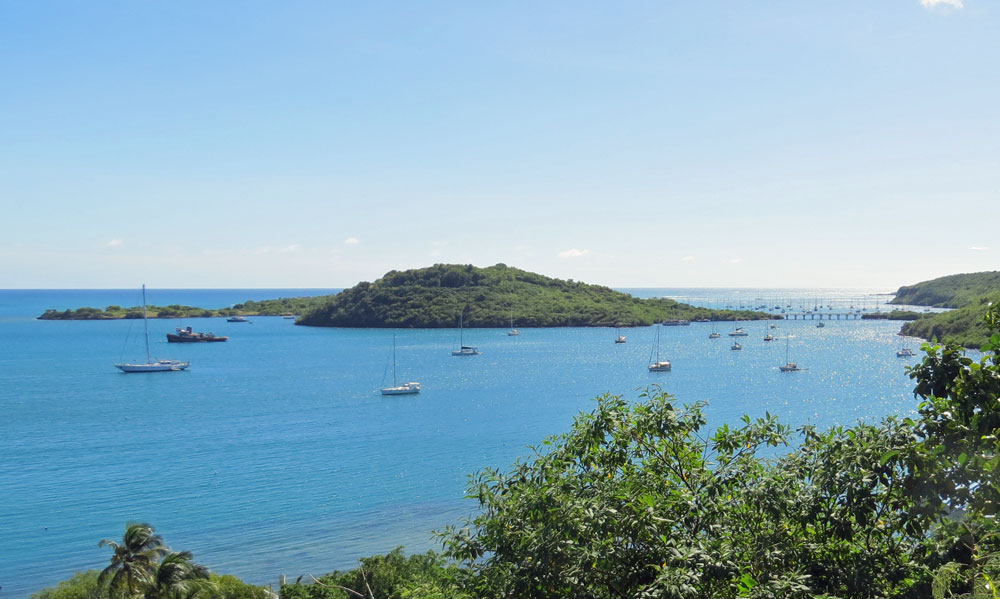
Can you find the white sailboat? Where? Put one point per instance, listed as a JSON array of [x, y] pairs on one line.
[[737, 331], [463, 349], [655, 364], [789, 366], [512, 332], [150, 365], [397, 389], [620, 338]]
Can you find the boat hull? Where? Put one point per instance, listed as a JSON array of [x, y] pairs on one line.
[[659, 367], [159, 366], [197, 338], [405, 389]]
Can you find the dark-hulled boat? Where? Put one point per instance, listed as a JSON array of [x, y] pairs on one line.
[[188, 335]]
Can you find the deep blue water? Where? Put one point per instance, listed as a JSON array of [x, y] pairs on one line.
[[275, 453]]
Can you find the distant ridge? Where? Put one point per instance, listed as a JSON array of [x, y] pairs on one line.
[[435, 297]]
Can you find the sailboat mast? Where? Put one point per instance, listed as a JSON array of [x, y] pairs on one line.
[[394, 360], [145, 325]]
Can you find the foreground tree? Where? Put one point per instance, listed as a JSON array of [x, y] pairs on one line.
[[143, 566], [133, 563]]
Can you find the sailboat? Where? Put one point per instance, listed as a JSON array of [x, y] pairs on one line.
[[768, 336], [463, 350], [512, 332], [396, 389], [737, 331], [655, 364], [151, 365], [789, 366], [715, 334], [620, 338]]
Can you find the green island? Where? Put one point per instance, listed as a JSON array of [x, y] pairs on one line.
[[272, 307], [637, 499], [439, 296], [970, 295]]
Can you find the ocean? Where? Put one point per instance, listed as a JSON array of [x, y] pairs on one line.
[[275, 453]]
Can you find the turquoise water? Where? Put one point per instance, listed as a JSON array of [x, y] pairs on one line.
[[276, 454]]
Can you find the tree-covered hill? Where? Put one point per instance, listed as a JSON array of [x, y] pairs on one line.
[[437, 296], [952, 291], [969, 294]]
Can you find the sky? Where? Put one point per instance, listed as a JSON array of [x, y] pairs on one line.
[[189, 144]]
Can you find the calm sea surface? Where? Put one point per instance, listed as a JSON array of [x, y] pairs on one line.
[[276, 454]]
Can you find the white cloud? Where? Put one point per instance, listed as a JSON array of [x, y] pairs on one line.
[[979, 248], [687, 259], [573, 253], [931, 4], [352, 241], [736, 260], [114, 243]]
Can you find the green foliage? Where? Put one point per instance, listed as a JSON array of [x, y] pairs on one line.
[[953, 291], [390, 576], [970, 295], [83, 585], [894, 315], [143, 566], [275, 307], [441, 295], [964, 326], [637, 501]]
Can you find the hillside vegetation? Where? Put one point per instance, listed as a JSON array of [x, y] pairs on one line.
[[969, 294], [440, 295], [953, 291], [273, 307]]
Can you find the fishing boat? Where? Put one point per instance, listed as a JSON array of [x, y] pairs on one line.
[[655, 363], [409, 388], [189, 335], [463, 349], [789, 366], [150, 365]]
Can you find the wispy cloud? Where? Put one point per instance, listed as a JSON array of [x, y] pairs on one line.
[[736, 260], [979, 248], [114, 243], [573, 253], [946, 4], [352, 241], [687, 259]]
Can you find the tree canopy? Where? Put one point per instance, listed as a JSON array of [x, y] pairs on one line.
[[442, 295]]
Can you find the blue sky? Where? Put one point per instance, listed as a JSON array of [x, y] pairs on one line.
[[316, 144]]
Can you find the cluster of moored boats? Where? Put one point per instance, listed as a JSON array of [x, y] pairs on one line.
[[182, 335]]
